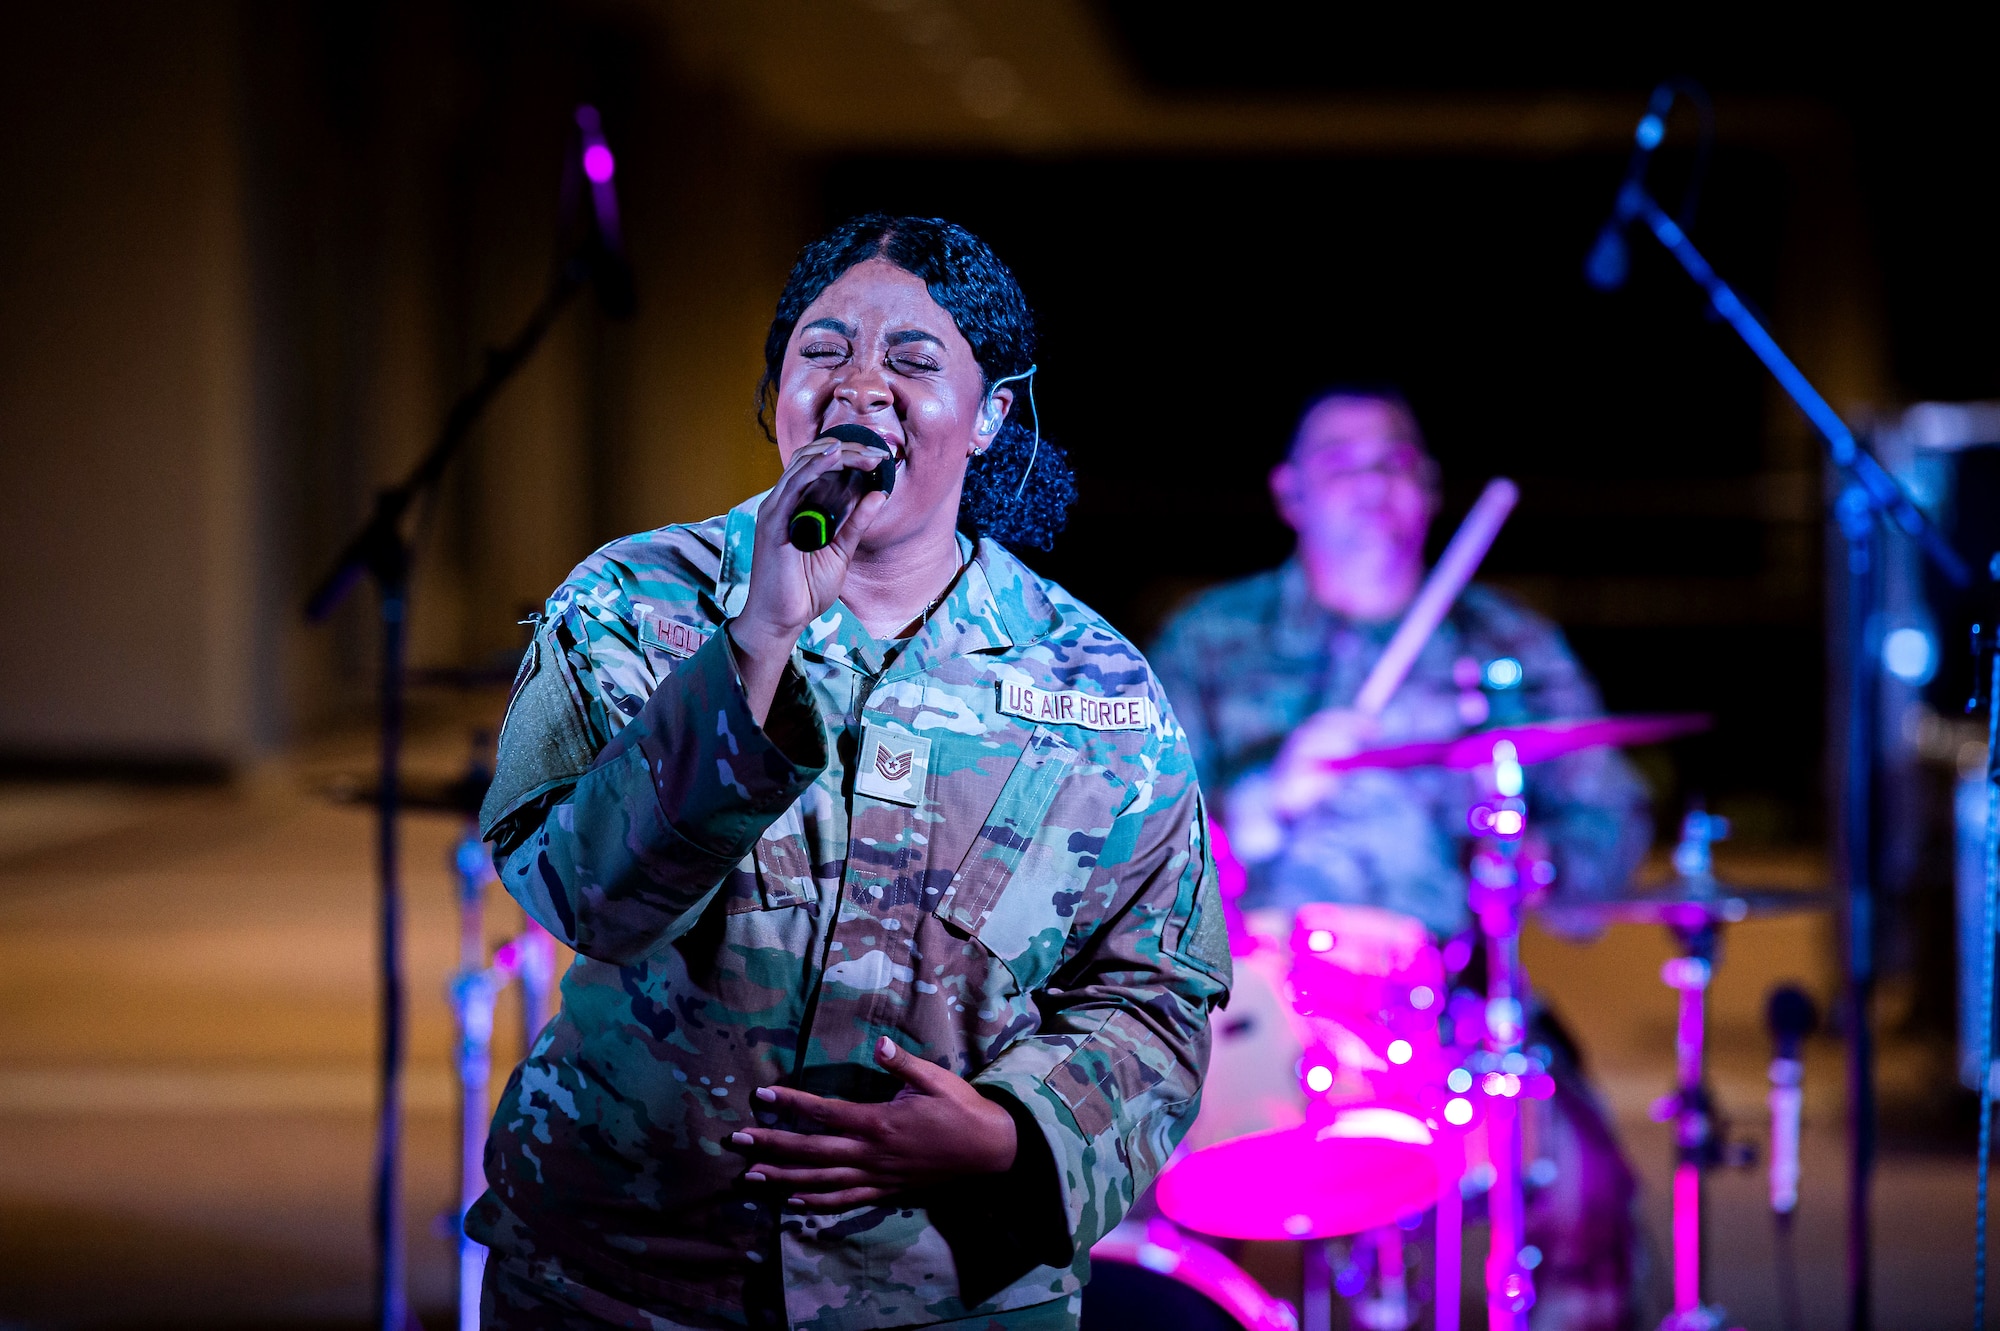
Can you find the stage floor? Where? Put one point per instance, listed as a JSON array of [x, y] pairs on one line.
[[187, 1018]]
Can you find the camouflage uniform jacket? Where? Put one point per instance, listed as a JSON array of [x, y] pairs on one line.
[[1245, 663], [993, 851]]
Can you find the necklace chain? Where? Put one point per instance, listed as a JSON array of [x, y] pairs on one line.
[[938, 600]]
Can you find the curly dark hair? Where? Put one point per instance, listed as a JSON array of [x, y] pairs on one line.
[[972, 285]]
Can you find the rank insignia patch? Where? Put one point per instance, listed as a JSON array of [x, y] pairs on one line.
[[894, 765]]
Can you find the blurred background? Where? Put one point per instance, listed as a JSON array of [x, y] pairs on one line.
[[249, 253]]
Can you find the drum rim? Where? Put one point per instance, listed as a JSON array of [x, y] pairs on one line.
[[1197, 1267]]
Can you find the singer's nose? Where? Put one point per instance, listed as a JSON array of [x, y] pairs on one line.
[[863, 389]]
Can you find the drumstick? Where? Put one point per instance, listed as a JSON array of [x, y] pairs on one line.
[[1455, 568]]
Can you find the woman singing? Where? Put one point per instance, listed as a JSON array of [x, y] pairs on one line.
[[885, 866]]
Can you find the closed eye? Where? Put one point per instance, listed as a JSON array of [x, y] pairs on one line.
[[908, 364], [823, 351]]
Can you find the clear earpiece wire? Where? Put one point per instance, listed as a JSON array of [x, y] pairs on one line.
[[1029, 375]]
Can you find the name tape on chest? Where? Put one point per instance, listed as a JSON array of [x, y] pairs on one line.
[[1074, 707], [894, 765], [671, 636]]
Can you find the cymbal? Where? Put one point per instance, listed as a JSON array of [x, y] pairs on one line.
[[1691, 903], [1534, 742]]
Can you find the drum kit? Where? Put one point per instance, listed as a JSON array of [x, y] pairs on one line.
[[1351, 1088]]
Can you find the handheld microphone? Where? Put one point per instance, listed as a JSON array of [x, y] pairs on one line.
[[610, 271], [828, 500], [1790, 1015]]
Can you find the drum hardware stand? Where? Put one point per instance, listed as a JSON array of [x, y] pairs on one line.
[[1871, 495], [1699, 1141], [1450, 1260], [1382, 1250], [530, 957], [382, 551], [1506, 1072], [1316, 1285]]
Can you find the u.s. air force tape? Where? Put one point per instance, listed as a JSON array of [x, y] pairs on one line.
[[1074, 707]]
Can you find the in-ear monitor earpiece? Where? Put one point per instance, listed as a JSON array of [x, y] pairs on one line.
[[989, 421]]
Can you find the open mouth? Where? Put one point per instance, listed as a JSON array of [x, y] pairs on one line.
[[895, 445]]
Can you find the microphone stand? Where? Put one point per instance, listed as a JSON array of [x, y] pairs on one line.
[[381, 551], [1870, 495]]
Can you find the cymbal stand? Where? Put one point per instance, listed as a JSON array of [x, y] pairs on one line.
[[1505, 1071], [475, 989], [1695, 1139], [1698, 1140]]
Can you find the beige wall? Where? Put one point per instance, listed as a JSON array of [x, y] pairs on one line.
[[242, 284], [125, 475]]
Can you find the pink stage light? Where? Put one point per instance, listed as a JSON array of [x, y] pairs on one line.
[[598, 163], [1371, 1166], [1687, 1238]]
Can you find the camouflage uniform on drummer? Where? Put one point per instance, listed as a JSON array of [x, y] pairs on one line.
[[1247, 663], [990, 849]]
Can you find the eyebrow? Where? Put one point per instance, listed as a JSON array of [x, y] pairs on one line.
[[913, 335], [833, 325]]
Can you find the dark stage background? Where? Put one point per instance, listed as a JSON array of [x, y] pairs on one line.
[[1188, 306]]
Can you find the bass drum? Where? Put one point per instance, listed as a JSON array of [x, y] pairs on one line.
[[1152, 1277]]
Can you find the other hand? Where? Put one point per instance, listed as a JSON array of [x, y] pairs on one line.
[[936, 1128]]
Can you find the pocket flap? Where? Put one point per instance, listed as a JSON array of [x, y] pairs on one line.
[[1004, 846]]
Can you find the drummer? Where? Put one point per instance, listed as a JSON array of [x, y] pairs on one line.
[[1262, 673]]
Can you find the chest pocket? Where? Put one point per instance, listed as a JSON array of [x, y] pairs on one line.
[[778, 871], [1018, 888]]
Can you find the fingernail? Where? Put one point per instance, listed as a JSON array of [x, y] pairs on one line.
[[795, 1201], [742, 1139], [766, 1094], [885, 1048], [756, 1176]]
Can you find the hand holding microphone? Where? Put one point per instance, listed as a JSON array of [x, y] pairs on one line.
[[828, 500], [808, 529]]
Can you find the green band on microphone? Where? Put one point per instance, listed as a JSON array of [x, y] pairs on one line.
[[810, 530]]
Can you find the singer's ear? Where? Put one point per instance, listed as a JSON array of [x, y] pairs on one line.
[[1285, 492], [992, 415]]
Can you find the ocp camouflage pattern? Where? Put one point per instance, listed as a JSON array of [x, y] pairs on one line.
[[1040, 918], [1247, 662]]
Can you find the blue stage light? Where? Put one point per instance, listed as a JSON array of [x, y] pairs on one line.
[[1910, 655]]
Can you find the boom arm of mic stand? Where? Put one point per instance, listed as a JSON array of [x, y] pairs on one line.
[[1882, 494], [1885, 493], [378, 547]]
